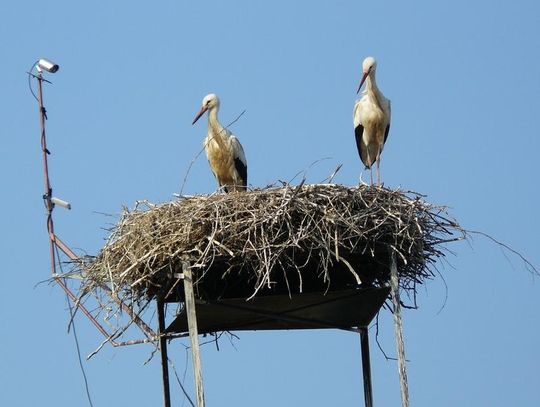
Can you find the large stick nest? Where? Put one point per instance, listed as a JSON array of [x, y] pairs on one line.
[[293, 239]]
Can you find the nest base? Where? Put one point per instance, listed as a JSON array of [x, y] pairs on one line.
[[342, 309]]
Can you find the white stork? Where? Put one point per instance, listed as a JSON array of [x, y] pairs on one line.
[[371, 119], [223, 150]]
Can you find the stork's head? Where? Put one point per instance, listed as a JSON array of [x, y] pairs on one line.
[[209, 102], [368, 67]]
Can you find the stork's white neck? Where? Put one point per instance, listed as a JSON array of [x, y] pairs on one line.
[[371, 84], [213, 122], [372, 89], [213, 114], [216, 131]]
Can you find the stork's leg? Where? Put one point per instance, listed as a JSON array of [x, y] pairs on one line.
[[370, 167], [379, 170]]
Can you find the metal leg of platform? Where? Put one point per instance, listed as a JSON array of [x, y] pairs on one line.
[[163, 351], [193, 333], [366, 366]]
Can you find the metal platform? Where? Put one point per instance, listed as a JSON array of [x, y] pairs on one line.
[[344, 309]]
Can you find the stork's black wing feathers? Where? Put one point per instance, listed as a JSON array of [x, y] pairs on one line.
[[242, 170], [358, 132], [386, 132]]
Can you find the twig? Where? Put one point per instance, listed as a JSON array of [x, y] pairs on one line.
[[528, 265]]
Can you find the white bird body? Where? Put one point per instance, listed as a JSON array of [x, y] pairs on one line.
[[371, 118], [223, 150]]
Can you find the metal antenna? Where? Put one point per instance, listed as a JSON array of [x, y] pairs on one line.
[[49, 206], [55, 241]]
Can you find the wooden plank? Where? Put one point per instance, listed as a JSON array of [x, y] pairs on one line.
[[398, 327], [193, 333]]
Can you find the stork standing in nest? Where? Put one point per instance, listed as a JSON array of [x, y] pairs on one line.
[[223, 150], [371, 119]]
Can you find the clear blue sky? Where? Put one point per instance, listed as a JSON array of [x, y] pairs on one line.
[[464, 80]]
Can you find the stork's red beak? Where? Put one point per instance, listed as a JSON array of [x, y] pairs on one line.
[[364, 77], [201, 112]]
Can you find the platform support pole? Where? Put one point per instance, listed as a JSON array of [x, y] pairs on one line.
[[163, 351], [366, 366], [398, 327], [193, 332]]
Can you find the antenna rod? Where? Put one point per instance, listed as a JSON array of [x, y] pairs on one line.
[[48, 190], [55, 242]]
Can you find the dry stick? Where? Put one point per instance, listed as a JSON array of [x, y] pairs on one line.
[[400, 347], [186, 395], [331, 177], [304, 172], [528, 265]]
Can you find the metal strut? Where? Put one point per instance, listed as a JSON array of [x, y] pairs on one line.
[[163, 351], [366, 366]]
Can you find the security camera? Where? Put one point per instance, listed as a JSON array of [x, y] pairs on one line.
[[49, 66], [62, 203]]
